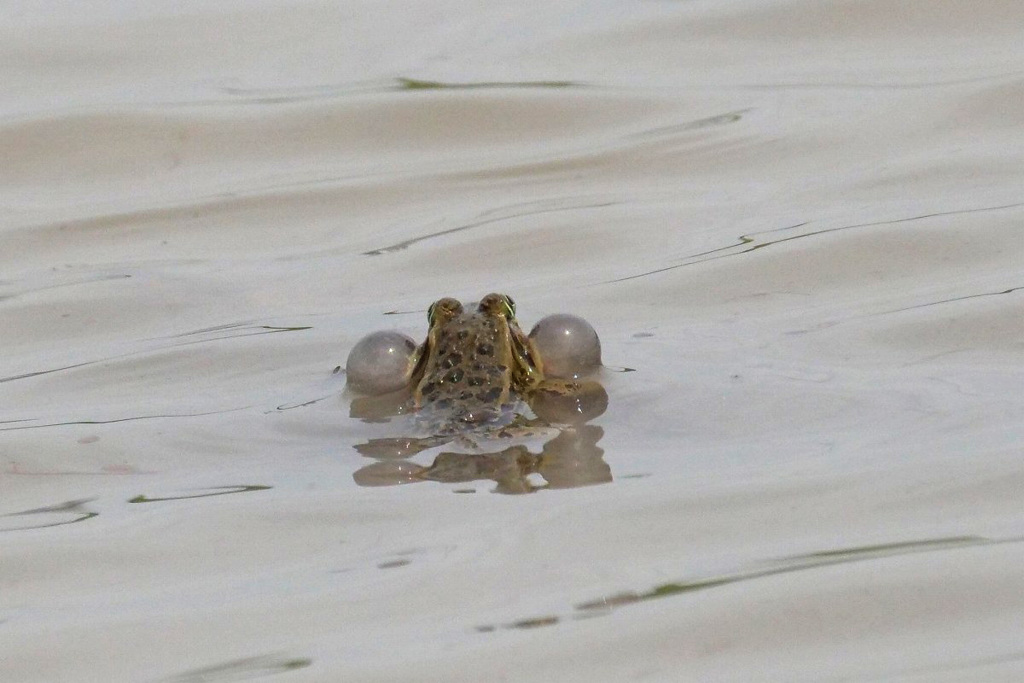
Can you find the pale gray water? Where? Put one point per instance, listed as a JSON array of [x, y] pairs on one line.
[[798, 221]]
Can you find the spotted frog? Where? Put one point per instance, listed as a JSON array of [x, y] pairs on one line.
[[474, 366], [478, 383], [475, 374]]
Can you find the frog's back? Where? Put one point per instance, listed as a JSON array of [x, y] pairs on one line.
[[468, 376]]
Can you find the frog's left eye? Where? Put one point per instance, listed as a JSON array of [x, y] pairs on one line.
[[510, 306], [443, 310]]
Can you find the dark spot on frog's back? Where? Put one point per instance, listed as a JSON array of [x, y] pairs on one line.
[[451, 361], [485, 350], [490, 396], [453, 376]]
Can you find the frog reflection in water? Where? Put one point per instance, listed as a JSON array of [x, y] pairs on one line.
[[470, 383]]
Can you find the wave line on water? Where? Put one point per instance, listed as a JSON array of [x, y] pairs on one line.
[[1011, 290], [749, 239], [503, 214], [785, 565], [124, 419]]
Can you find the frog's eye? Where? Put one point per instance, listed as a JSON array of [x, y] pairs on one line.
[[443, 310], [510, 306]]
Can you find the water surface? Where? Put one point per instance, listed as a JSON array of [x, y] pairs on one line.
[[798, 222]]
